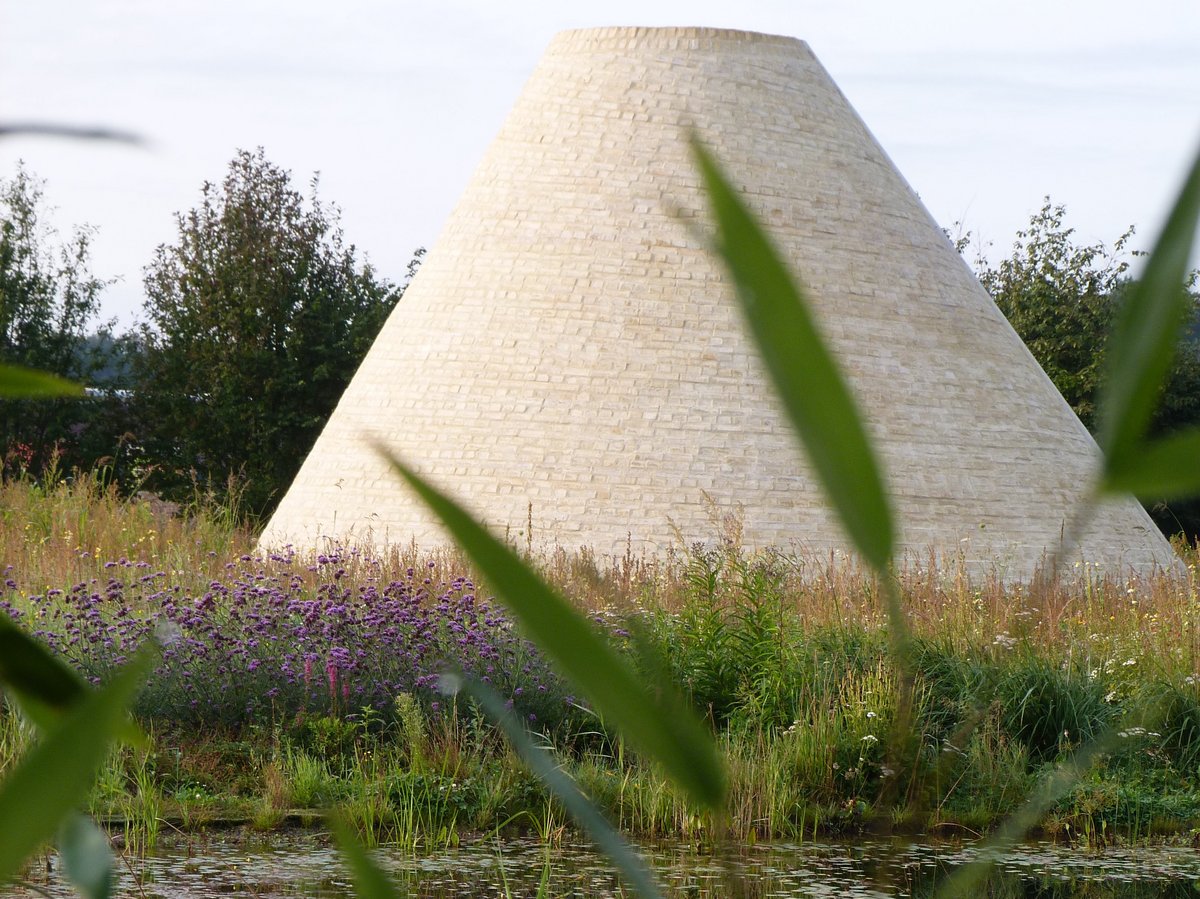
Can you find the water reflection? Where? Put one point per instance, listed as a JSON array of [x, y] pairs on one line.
[[305, 866]]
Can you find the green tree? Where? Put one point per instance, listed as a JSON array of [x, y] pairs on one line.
[[1061, 296], [258, 315], [49, 299]]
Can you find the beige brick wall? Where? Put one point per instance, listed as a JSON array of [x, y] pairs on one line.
[[570, 345]]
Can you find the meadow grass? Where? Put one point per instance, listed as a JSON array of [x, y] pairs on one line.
[[786, 657]]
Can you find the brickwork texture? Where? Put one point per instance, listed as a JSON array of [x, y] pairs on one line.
[[570, 355]]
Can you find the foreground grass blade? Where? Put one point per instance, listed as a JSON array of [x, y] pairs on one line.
[[58, 771], [627, 859], [17, 382], [70, 132], [806, 377], [1166, 469], [660, 725], [86, 856], [1145, 334], [41, 682], [370, 881]]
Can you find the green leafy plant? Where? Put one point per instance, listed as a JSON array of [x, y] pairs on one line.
[[826, 419], [49, 302], [608, 839], [76, 725], [1140, 352], [814, 391], [1139, 357], [656, 721], [257, 316]]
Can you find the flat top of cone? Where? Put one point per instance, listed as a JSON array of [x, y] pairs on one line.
[[571, 361], [661, 35]]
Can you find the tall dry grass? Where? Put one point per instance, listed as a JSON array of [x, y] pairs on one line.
[[65, 531]]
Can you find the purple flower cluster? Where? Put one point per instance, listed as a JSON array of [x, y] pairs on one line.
[[273, 640]]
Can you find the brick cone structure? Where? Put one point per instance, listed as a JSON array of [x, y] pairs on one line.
[[571, 356]]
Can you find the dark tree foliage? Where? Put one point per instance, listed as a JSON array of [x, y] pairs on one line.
[[258, 316], [48, 301], [1061, 297]]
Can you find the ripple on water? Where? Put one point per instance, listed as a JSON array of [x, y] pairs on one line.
[[870, 869]]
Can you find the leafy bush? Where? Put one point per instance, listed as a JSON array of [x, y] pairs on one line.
[[1048, 706], [257, 317]]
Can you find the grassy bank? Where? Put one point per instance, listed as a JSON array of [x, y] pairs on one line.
[[289, 685]]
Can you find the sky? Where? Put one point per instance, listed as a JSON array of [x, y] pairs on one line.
[[985, 107]]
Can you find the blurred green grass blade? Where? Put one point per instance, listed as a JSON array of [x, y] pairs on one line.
[[58, 771], [627, 859], [1146, 330], [370, 881], [659, 724], [18, 382], [1165, 469], [86, 857], [42, 683], [816, 397]]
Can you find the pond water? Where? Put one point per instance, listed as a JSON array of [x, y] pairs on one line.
[[307, 866]]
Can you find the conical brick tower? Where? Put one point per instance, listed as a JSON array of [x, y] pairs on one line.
[[571, 356]]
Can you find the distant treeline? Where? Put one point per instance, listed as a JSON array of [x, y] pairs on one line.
[[256, 316]]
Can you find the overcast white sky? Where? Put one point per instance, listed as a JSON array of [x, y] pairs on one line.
[[984, 106]]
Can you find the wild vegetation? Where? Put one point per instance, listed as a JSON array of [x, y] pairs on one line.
[[290, 685], [930, 714], [257, 313]]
